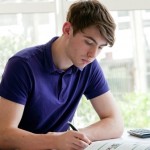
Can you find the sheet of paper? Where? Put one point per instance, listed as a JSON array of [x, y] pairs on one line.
[[118, 145]]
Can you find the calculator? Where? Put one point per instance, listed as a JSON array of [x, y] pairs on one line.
[[141, 133]]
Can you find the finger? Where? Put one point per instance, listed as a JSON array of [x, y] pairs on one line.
[[80, 143], [82, 137], [77, 147]]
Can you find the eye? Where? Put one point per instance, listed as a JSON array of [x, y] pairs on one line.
[[100, 48], [89, 42]]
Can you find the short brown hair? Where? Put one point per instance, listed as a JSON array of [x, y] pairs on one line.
[[85, 13]]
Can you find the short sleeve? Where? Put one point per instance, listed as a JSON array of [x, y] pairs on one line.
[[16, 81], [97, 84]]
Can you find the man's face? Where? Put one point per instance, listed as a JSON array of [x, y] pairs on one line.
[[83, 47]]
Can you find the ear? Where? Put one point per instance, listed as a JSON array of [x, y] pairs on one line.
[[67, 28]]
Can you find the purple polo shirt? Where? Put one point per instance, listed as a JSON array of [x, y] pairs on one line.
[[50, 95]]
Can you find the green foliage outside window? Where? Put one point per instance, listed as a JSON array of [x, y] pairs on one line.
[[135, 110], [85, 113], [9, 45]]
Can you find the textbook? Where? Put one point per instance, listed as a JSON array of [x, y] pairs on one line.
[[117, 144]]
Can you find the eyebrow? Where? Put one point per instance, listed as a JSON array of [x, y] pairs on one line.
[[89, 37]]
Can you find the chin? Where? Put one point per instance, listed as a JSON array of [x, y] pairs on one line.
[[81, 66]]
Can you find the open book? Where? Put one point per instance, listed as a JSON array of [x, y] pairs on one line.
[[117, 144]]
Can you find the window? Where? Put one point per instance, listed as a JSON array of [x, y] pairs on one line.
[[24, 25]]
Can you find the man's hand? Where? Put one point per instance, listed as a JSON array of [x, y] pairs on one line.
[[70, 140]]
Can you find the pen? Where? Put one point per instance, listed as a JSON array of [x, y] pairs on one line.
[[72, 126]]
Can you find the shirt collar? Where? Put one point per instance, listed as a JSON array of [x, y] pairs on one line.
[[50, 66]]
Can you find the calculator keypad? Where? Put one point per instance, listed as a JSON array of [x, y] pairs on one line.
[[142, 133]]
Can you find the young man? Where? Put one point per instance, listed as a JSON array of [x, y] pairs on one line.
[[42, 86]]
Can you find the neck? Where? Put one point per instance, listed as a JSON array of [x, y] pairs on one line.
[[59, 56]]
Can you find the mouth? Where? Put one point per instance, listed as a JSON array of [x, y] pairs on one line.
[[85, 61]]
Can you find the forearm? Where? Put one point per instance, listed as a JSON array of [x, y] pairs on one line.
[[105, 129], [23, 140]]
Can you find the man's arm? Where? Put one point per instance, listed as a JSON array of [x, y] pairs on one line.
[[111, 122], [11, 137]]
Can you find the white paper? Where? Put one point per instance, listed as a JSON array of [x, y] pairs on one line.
[[118, 145]]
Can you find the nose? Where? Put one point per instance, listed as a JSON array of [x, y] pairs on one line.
[[92, 53]]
